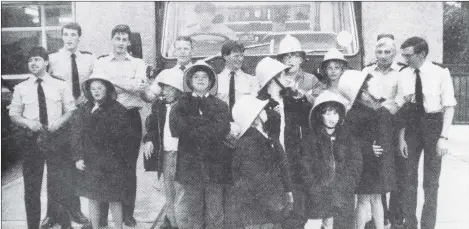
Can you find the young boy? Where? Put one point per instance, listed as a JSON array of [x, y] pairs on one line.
[[158, 135], [260, 171], [333, 66], [330, 169], [201, 122]]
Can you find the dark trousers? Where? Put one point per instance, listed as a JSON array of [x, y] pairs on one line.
[[345, 218], [131, 177], [33, 169], [422, 134]]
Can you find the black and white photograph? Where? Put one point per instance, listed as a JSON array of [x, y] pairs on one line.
[[235, 115]]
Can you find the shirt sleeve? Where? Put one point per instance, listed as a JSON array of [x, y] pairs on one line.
[[447, 88], [16, 105]]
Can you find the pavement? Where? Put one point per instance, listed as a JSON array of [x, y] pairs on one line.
[[453, 202]]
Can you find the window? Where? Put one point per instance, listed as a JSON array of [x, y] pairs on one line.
[[25, 25], [260, 25], [456, 33]]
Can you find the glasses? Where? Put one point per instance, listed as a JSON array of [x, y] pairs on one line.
[[408, 56]]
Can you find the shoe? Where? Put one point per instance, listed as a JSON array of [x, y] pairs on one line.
[[130, 222], [78, 217], [47, 223]]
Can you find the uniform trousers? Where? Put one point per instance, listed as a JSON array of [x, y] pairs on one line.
[[200, 206], [128, 206], [58, 173], [171, 188], [422, 134]]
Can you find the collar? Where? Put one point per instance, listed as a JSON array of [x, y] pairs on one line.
[[195, 95], [178, 66], [46, 78], [126, 57], [393, 67], [425, 66], [68, 53], [226, 71]]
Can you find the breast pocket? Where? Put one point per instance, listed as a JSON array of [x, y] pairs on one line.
[[54, 103], [432, 98], [31, 108]]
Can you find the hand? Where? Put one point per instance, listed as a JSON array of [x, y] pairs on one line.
[[378, 150], [54, 126], [81, 100], [80, 165], [35, 126], [442, 147], [142, 86], [403, 149], [148, 149]]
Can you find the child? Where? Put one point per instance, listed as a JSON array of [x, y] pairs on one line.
[[333, 66], [201, 122], [329, 166], [260, 171], [372, 124], [158, 134]]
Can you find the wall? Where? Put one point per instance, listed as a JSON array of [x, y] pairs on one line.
[[98, 18], [403, 19]]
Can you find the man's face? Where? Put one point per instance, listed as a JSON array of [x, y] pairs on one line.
[[120, 42], [293, 60], [205, 19], [330, 118], [200, 82], [334, 70], [169, 93], [98, 90], [37, 65], [413, 59], [234, 61], [183, 51], [70, 38], [385, 55]]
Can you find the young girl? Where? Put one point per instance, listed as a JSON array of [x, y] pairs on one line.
[[372, 124], [260, 171], [330, 166]]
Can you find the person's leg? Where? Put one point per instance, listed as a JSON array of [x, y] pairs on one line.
[[432, 169], [169, 171], [377, 210], [362, 211], [103, 213], [116, 211], [214, 217], [33, 169], [297, 217], [57, 185], [190, 207], [94, 211]]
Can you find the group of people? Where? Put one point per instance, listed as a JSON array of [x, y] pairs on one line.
[[279, 149]]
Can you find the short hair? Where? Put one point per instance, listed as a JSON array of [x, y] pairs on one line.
[[420, 45], [74, 26], [386, 41], [38, 51], [184, 38], [316, 117], [121, 29], [383, 35], [231, 46], [205, 7]]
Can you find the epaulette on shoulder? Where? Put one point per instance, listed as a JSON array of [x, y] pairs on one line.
[[370, 64], [102, 56], [57, 78], [402, 65], [86, 52], [439, 64]]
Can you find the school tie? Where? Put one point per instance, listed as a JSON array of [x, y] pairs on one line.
[[42, 103], [75, 80], [232, 91], [419, 93]]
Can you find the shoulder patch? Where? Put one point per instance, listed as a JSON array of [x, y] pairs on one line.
[[57, 78], [402, 65], [439, 64], [370, 64], [102, 56], [86, 52]]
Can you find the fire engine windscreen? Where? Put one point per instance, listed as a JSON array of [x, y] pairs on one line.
[[210, 24]]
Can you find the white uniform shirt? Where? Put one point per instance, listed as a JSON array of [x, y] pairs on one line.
[[245, 84], [384, 84], [61, 65], [437, 87], [129, 72], [170, 143], [59, 99]]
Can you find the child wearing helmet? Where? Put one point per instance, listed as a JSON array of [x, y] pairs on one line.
[[262, 190], [201, 122], [160, 148], [330, 168], [332, 67]]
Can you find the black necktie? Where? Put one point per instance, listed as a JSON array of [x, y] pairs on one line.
[[75, 79], [418, 92], [182, 68], [232, 90], [42, 103]]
